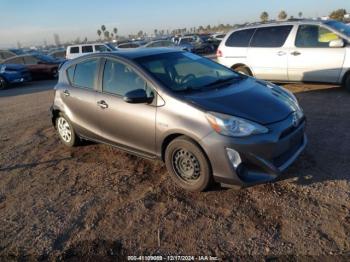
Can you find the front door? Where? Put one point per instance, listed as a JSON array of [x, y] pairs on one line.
[[131, 126], [312, 59]]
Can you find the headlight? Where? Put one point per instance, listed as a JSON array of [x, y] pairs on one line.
[[234, 126], [2, 69]]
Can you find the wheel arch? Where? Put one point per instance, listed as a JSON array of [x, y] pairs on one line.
[[235, 66]]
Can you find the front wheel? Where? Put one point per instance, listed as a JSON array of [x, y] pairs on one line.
[[188, 165], [3, 83], [65, 131]]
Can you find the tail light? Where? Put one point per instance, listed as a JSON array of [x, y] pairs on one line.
[[218, 53]]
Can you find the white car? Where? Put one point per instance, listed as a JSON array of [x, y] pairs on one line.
[[75, 51], [308, 51]]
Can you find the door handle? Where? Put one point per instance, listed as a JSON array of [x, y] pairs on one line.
[[295, 53], [281, 53], [66, 93], [102, 104]]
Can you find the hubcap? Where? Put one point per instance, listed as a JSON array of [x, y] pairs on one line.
[[64, 130], [186, 165]]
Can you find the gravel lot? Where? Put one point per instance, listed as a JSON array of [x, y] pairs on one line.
[[97, 202]]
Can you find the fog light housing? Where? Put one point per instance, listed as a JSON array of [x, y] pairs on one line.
[[234, 157]]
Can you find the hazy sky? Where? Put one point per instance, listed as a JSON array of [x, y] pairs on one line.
[[34, 21]]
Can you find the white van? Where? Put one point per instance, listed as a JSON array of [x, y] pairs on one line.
[[303, 50], [75, 51]]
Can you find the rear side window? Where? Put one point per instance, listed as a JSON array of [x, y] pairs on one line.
[[87, 49], [85, 72], [31, 60], [74, 50], [240, 38], [274, 36]]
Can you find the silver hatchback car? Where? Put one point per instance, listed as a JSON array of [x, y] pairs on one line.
[[206, 122]]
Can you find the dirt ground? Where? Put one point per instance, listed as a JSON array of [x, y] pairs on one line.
[[95, 202]]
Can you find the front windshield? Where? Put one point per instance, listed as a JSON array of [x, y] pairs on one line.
[[340, 27], [184, 72], [45, 58]]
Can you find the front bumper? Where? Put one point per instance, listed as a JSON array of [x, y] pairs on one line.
[[263, 157]]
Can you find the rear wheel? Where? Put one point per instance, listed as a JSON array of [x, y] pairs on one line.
[[188, 165], [347, 82], [243, 70], [3, 83], [66, 131]]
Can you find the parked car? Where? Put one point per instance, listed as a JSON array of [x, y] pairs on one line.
[[13, 74], [5, 54], [75, 51], [218, 37], [207, 122], [309, 51], [58, 54], [163, 43], [129, 45], [195, 44], [39, 66]]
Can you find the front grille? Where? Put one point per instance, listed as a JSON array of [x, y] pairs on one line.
[[291, 129]]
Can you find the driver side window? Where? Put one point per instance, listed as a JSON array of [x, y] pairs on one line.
[[119, 79]]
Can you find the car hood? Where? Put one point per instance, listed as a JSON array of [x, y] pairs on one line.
[[248, 98]]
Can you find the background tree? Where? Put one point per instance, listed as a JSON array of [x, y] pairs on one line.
[[56, 38], [140, 33], [115, 31], [106, 34], [99, 33], [264, 17], [338, 14], [282, 15], [300, 14], [103, 28], [155, 32]]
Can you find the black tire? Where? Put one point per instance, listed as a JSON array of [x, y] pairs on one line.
[[188, 165], [347, 82], [243, 70], [73, 138], [3, 83]]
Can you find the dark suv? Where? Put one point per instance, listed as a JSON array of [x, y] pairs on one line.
[[206, 122]]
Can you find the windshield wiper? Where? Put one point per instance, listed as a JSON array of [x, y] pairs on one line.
[[223, 80]]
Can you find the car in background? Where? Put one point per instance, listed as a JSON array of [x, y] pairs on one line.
[[75, 51], [13, 74], [218, 37], [129, 45], [195, 44], [5, 54], [163, 43], [191, 112], [40, 66], [302, 50], [58, 54]]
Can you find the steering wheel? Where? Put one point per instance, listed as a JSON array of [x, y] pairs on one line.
[[187, 78]]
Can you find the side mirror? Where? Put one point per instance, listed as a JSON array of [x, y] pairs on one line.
[[138, 96], [336, 43]]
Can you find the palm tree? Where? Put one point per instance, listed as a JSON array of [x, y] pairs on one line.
[[300, 14], [103, 28], [115, 31], [264, 17], [282, 15], [99, 32], [155, 32], [106, 34]]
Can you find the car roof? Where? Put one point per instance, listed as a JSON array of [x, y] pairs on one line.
[[287, 22], [87, 44], [143, 52]]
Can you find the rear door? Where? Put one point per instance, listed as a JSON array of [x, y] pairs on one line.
[[312, 59], [131, 126], [235, 50], [267, 55], [80, 97]]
